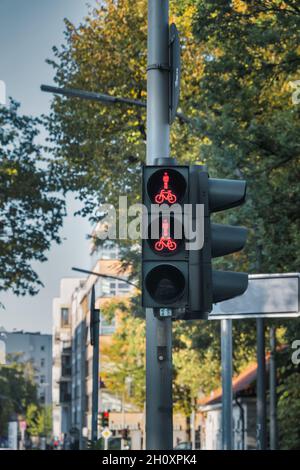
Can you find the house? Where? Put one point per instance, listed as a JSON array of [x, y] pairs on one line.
[[244, 412]]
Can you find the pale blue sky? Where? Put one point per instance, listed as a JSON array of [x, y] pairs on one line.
[[28, 30]]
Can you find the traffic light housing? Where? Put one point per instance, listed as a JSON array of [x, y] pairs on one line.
[[177, 277], [104, 419], [165, 258]]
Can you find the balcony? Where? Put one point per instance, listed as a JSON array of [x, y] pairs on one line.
[[65, 398], [65, 393]]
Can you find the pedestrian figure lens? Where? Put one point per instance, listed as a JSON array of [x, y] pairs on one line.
[[166, 187]]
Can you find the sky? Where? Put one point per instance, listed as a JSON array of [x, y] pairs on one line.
[[28, 31]]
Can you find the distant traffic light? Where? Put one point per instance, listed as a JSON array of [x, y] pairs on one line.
[[103, 419], [165, 259]]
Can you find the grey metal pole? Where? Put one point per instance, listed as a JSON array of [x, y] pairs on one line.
[[226, 361], [261, 414], [95, 390], [273, 402], [159, 425]]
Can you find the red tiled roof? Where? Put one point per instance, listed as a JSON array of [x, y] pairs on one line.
[[239, 383]]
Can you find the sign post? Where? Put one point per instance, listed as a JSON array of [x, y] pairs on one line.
[[226, 361], [261, 412], [106, 434]]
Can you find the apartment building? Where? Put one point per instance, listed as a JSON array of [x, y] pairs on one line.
[[72, 352], [62, 357], [34, 347]]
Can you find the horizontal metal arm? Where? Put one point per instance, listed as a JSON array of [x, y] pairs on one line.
[[102, 98], [106, 276]]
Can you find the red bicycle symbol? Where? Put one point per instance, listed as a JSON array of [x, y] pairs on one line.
[[168, 243], [165, 195]]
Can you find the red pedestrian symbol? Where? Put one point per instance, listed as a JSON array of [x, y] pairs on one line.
[[165, 241], [165, 193]]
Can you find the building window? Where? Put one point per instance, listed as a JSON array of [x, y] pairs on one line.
[[123, 288], [42, 362], [106, 327], [64, 317], [42, 348], [42, 379], [108, 288]]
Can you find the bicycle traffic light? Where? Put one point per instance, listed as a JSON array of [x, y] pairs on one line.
[[177, 268], [165, 258]]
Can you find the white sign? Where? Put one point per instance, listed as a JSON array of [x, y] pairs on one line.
[[267, 296]]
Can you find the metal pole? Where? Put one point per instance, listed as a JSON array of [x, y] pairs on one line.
[[159, 426], [273, 411], [193, 424], [95, 391], [226, 360], [261, 427]]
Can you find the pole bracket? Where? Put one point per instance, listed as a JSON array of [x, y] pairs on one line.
[[158, 67]]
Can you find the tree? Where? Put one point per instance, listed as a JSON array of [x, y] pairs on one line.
[[39, 420], [124, 357], [289, 412], [31, 214], [17, 390], [250, 122], [99, 148]]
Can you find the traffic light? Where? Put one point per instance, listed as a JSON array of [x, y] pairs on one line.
[[176, 274], [104, 419], [165, 258]]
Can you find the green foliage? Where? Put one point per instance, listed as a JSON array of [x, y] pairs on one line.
[[289, 412], [17, 390], [39, 420], [125, 358], [252, 127], [30, 214]]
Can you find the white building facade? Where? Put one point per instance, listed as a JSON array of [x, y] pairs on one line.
[[37, 349]]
